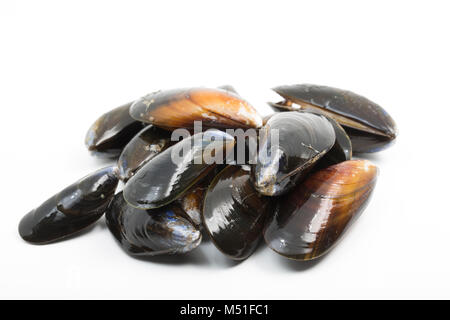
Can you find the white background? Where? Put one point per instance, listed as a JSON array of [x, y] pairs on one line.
[[62, 64]]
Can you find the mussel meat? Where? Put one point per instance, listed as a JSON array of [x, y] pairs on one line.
[[310, 220], [234, 213], [163, 180], [368, 125], [71, 210], [166, 230], [149, 142], [290, 144], [179, 108], [112, 132]]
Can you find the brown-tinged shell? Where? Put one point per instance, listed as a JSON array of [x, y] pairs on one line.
[[179, 108], [192, 201], [362, 116], [311, 219]]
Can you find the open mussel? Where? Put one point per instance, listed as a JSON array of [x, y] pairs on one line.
[[166, 230], [290, 144], [310, 219], [234, 213], [71, 210], [112, 132], [179, 108], [149, 142], [174, 171], [368, 125]]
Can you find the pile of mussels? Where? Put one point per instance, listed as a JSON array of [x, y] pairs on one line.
[[300, 199]]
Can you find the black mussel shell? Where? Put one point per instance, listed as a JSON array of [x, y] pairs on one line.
[[303, 138], [351, 110], [163, 180], [149, 142], [310, 220], [179, 108], [342, 148], [71, 210], [234, 213], [166, 230], [112, 132]]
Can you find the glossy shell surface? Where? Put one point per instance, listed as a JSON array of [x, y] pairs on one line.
[[311, 219], [303, 138], [234, 213], [349, 109], [179, 108], [161, 231], [71, 210], [163, 180], [149, 142], [112, 132]]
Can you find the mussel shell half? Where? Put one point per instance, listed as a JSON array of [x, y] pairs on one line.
[[165, 230], [310, 219], [366, 142], [179, 108], [192, 203], [192, 200], [149, 142], [112, 132], [349, 109], [303, 138], [163, 180], [234, 213], [342, 148], [71, 210]]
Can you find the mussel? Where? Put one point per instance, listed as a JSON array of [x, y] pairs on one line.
[[71, 210], [179, 108], [290, 144], [341, 150], [192, 203], [174, 171], [112, 132], [310, 220], [192, 200], [166, 230], [234, 213], [368, 125], [149, 142]]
